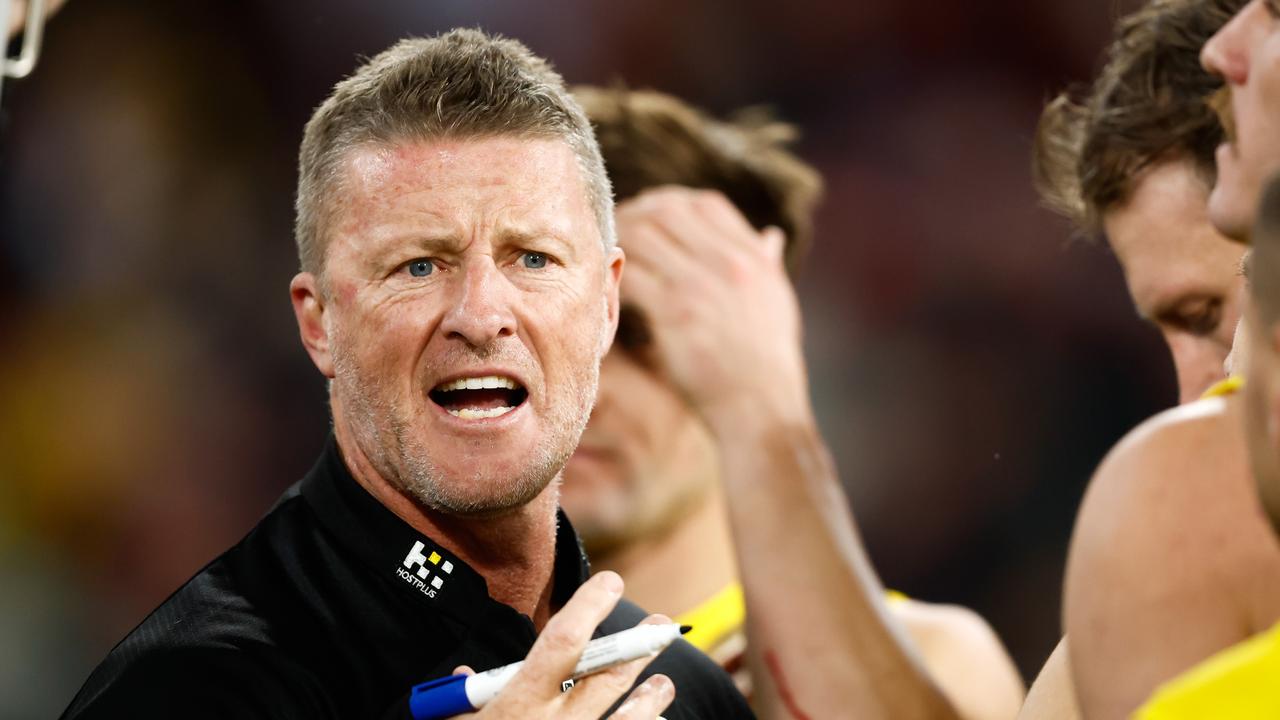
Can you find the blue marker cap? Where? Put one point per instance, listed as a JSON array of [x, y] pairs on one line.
[[440, 698]]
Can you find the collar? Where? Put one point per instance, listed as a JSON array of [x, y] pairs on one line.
[[415, 564]]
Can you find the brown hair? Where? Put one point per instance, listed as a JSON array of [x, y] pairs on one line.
[[650, 139], [1148, 104], [461, 84]]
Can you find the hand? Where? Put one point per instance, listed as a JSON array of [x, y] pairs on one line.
[[534, 691], [723, 319]]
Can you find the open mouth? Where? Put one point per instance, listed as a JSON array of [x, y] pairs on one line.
[[478, 398]]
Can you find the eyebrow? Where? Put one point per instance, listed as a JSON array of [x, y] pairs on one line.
[[532, 236], [1246, 262]]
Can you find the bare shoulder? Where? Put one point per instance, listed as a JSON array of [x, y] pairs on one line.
[[1159, 473], [1202, 435], [965, 657], [1052, 695], [1165, 555], [1154, 487]]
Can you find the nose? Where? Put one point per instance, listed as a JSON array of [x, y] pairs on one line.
[[481, 311], [1222, 55]]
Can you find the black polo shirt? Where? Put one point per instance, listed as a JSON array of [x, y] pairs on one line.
[[333, 607]]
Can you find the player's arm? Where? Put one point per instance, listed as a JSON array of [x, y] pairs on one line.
[[963, 655], [1149, 588], [725, 326], [1053, 695]]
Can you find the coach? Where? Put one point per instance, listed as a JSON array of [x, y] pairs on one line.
[[459, 287]]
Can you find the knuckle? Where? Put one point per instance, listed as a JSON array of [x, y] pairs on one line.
[[709, 198], [558, 639]]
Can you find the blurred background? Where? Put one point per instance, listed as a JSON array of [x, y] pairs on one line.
[[970, 363]]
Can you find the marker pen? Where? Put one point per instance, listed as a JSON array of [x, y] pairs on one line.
[[449, 696]]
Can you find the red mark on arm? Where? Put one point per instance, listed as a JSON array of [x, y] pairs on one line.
[[784, 690]]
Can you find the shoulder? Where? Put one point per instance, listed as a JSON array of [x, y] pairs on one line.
[[964, 656], [1203, 434], [1166, 555], [1053, 694], [703, 689], [1167, 475], [199, 682], [219, 635]]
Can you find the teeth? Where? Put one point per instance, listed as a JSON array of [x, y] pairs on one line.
[[488, 382], [469, 414]]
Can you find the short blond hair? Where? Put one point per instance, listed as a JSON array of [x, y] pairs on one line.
[[461, 84]]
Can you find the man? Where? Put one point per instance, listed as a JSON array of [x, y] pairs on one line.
[[1243, 54], [1133, 158], [1171, 560], [458, 289], [658, 476], [1240, 682]]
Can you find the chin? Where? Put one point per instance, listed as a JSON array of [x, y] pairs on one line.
[[479, 486]]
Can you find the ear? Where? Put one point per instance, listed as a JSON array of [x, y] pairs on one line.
[[313, 326], [614, 260]]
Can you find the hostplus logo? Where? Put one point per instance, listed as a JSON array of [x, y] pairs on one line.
[[423, 579]]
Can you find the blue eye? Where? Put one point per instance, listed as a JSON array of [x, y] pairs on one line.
[[534, 261], [420, 268]]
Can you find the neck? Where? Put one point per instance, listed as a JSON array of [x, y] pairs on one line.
[[677, 570], [514, 552]]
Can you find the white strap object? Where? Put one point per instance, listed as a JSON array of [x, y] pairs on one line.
[[22, 65]]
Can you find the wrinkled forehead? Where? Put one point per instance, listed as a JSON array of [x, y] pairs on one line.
[[460, 186]]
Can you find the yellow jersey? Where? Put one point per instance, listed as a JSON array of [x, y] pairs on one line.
[[1239, 683]]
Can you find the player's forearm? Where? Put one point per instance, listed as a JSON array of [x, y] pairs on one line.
[[821, 640]]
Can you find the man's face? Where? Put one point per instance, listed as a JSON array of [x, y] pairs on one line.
[[468, 302], [1183, 276], [1246, 53], [643, 460]]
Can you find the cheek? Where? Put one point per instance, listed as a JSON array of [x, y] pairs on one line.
[[1264, 112], [568, 325], [386, 335]]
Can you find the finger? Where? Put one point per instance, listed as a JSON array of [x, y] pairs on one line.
[[653, 301], [726, 218], [643, 212], [648, 699], [649, 245], [672, 210], [644, 288], [594, 694], [558, 648], [697, 233], [463, 670]]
